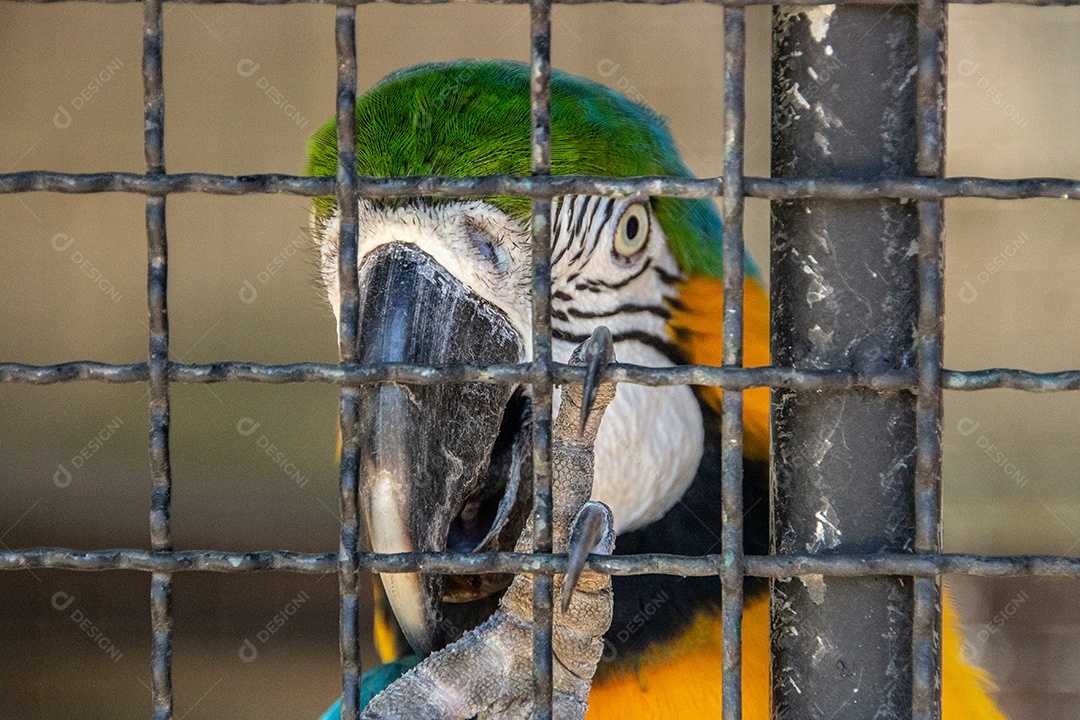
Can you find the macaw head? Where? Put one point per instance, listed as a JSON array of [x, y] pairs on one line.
[[448, 466]]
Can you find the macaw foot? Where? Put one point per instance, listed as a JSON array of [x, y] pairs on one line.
[[488, 672]]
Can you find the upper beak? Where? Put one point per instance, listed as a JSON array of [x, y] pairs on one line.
[[425, 450]]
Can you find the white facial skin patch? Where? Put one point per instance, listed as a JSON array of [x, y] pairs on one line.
[[651, 441]]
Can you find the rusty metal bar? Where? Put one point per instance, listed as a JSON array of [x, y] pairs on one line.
[[543, 379], [788, 188], [349, 320], [766, 566], [157, 275], [704, 375], [730, 3], [844, 295], [731, 431], [930, 98]]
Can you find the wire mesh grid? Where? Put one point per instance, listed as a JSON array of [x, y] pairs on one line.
[[929, 189]]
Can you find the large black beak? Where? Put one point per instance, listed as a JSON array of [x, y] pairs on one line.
[[431, 455]]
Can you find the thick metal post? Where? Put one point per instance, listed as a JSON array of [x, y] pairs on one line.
[[844, 296]]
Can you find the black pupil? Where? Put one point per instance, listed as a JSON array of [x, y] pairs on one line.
[[631, 228]]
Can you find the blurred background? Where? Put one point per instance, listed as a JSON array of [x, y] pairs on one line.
[[245, 87]]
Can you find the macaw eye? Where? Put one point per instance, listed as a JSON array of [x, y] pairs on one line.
[[632, 230]]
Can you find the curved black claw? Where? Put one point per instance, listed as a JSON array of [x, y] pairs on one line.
[[599, 352], [593, 526]]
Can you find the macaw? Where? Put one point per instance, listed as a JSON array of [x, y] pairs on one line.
[[448, 467]]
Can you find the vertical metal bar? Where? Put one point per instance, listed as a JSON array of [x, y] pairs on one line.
[[732, 415], [540, 95], [926, 628], [348, 551], [844, 296], [157, 272]]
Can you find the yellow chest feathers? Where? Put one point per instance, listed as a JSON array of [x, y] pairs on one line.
[[682, 679]]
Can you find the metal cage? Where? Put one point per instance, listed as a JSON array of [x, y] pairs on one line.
[[920, 383]]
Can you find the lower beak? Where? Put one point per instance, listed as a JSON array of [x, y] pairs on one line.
[[425, 450]]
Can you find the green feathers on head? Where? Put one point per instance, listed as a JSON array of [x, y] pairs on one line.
[[473, 118]]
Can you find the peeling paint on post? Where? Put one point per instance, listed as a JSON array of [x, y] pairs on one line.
[[844, 296]]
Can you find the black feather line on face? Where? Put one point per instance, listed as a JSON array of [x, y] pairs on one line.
[[594, 238], [561, 210], [581, 238], [580, 209], [628, 279], [630, 307], [666, 277]]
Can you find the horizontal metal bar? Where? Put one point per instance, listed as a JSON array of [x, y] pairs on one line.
[[730, 378], [77, 183], [770, 566], [702, 375], [927, 565], [729, 3], [914, 188], [72, 371], [1011, 379]]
